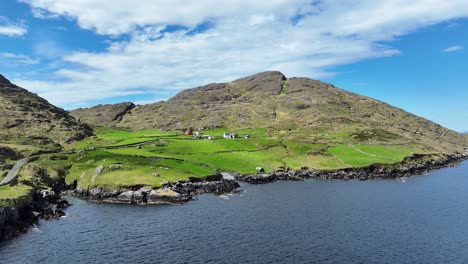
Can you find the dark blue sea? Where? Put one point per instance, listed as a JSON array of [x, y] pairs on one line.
[[421, 219]]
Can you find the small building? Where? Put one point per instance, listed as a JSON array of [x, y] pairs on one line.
[[230, 135], [260, 169], [247, 136]]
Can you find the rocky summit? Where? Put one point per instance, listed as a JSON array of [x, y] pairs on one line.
[[29, 120], [270, 100]]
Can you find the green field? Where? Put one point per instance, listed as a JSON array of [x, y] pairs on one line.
[[152, 157], [171, 156], [9, 195]]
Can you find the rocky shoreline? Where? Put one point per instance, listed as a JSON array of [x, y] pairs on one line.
[[170, 193], [184, 191], [18, 218], [414, 165]]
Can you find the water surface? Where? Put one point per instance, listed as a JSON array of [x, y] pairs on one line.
[[422, 220]]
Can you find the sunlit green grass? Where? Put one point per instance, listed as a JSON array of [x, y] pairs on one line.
[[396, 153], [122, 170], [352, 157], [9, 195], [181, 157]]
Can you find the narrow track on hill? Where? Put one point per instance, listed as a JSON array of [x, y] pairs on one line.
[[369, 154], [13, 173]]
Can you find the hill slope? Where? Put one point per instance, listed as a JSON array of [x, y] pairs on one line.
[[297, 108], [29, 120]]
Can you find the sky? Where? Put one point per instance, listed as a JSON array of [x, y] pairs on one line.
[[79, 53]]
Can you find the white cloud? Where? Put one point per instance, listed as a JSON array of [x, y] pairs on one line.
[[246, 37], [122, 16], [17, 58], [11, 29], [453, 49], [43, 14]]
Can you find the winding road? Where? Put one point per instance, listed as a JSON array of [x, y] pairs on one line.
[[14, 171]]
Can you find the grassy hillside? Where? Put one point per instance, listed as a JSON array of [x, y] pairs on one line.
[[106, 115], [29, 123], [292, 123], [308, 110]]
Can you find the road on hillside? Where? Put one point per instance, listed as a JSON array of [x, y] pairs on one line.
[[14, 171]]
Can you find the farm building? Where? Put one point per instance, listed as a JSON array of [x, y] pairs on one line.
[[230, 135]]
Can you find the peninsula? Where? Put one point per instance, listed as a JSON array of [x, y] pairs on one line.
[[260, 128]]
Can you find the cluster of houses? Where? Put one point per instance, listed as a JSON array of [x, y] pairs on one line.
[[198, 135]]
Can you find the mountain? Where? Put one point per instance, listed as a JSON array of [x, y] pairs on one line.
[[104, 115], [301, 108], [29, 120]]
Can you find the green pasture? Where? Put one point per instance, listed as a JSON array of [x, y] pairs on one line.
[[165, 157]]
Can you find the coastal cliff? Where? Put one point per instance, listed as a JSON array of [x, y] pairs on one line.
[[15, 219], [18, 216]]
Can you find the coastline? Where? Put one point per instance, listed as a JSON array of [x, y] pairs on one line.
[[410, 166], [184, 191], [17, 218], [169, 193]]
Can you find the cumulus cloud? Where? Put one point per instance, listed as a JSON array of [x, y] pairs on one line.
[[11, 29], [297, 37], [122, 16], [453, 49]]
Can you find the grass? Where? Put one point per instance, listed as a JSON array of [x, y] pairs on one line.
[[354, 158], [314, 162], [10, 195], [122, 170], [117, 137], [20, 190], [181, 157], [396, 153]]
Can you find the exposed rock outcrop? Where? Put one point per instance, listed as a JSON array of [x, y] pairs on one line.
[[103, 115], [17, 218], [28, 119], [9, 153], [170, 193]]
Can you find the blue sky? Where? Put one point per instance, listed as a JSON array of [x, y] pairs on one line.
[[78, 53]]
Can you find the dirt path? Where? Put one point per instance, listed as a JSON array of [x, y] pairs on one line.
[[443, 134]]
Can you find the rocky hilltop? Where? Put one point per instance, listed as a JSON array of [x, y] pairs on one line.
[[270, 100], [27, 119]]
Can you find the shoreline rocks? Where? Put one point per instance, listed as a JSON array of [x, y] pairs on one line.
[[169, 193], [414, 165], [18, 218], [184, 191]]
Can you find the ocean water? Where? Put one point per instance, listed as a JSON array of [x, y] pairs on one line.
[[421, 219]]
